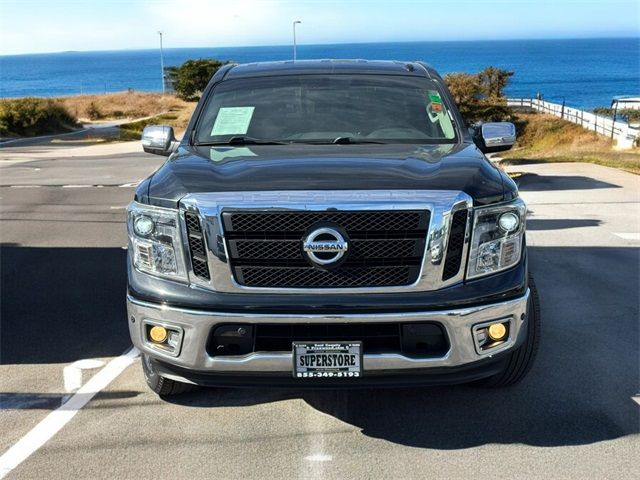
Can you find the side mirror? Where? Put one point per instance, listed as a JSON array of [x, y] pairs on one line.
[[159, 140], [495, 136]]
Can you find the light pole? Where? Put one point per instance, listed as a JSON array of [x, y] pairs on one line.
[[161, 62], [295, 53]]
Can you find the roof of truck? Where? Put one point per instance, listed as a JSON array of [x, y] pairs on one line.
[[288, 67]]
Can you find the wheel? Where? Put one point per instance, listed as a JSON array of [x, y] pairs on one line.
[[520, 361], [159, 384]]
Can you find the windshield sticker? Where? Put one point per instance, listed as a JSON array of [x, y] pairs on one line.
[[232, 121], [436, 102]]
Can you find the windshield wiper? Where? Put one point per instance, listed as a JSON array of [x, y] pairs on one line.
[[353, 140], [242, 140]]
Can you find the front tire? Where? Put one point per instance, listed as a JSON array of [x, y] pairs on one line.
[[519, 362], [161, 385]]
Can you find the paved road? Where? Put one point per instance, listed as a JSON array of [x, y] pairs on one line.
[[63, 281]]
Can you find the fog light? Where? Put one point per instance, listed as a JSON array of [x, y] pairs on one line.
[[497, 331], [158, 334]]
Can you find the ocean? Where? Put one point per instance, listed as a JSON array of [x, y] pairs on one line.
[[586, 73]]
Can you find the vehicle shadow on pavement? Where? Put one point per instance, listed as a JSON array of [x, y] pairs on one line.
[[560, 223], [531, 182], [62, 304], [578, 392], [51, 401]]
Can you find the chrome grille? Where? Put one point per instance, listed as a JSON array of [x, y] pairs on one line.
[[386, 248]]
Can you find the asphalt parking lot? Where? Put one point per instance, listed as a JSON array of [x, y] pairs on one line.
[[63, 280]]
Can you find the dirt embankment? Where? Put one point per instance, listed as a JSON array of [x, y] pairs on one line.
[[547, 138]]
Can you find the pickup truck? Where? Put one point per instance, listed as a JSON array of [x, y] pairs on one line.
[[329, 224]]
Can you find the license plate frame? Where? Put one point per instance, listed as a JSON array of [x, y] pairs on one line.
[[342, 359]]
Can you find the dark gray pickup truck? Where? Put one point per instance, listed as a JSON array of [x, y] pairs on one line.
[[329, 224]]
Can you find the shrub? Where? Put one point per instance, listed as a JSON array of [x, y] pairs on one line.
[[34, 116], [190, 78], [94, 112], [630, 115], [480, 96]]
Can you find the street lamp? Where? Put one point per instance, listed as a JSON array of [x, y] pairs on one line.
[[161, 62], [295, 53]]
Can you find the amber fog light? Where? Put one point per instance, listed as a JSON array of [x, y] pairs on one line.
[[165, 338], [497, 331], [491, 335], [158, 334]]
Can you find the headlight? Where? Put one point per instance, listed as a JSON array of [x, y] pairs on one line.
[[154, 235], [496, 243]]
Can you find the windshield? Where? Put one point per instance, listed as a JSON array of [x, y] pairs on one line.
[[325, 109]]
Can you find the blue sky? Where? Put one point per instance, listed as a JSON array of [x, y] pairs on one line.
[[29, 26]]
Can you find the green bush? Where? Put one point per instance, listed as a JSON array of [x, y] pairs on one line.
[[32, 116], [191, 78], [627, 113], [480, 96]]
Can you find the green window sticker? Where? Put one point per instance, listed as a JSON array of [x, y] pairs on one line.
[[435, 98], [232, 121]]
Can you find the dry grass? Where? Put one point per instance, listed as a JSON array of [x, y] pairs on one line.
[[547, 138], [121, 105], [177, 120]]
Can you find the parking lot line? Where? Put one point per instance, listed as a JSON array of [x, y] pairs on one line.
[[58, 418]]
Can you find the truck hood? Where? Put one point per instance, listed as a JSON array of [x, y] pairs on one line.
[[459, 167]]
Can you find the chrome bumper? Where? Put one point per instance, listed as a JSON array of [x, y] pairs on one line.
[[196, 326]]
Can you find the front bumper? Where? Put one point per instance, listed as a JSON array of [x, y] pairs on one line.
[[193, 363]]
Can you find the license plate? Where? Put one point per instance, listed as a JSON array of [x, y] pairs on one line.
[[327, 359]]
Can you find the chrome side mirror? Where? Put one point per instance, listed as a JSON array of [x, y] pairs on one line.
[[495, 136], [159, 140]]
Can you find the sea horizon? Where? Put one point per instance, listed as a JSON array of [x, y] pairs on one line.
[[302, 44], [583, 72]]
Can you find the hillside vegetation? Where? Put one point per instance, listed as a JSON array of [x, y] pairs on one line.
[[543, 137], [31, 116], [115, 106]]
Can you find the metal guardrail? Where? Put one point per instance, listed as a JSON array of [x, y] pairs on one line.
[[624, 135]]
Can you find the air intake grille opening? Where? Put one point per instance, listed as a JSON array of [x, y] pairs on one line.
[[456, 244], [417, 340], [197, 250]]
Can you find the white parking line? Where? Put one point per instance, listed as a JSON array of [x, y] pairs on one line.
[[57, 419], [72, 374], [319, 457]]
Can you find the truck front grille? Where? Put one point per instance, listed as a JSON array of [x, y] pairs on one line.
[[386, 248]]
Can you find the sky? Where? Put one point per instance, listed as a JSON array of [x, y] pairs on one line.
[[35, 26]]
